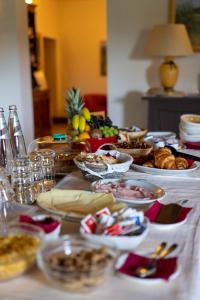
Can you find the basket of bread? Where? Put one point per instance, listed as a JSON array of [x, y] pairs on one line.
[[102, 163], [135, 148]]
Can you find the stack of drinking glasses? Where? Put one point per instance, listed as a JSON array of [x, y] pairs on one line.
[[9, 209], [29, 174], [22, 180], [48, 167]]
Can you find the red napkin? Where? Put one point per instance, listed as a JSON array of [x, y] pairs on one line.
[[165, 267], [193, 145], [47, 225], [154, 210]]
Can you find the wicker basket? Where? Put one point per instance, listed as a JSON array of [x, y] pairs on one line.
[[134, 134], [134, 152], [101, 170]]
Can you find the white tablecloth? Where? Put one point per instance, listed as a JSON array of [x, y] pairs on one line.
[[33, 286]]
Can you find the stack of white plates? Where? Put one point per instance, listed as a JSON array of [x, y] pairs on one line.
[[190, 128]]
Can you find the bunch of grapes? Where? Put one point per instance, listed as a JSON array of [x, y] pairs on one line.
[[99, 121], [109, 131]]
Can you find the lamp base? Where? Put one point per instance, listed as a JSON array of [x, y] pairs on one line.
[[159, 91]]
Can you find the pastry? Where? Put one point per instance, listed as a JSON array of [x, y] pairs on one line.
[[149, 164], [181, 163], [164, 159]]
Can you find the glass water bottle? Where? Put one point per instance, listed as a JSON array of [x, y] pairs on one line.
[[6, 152], [16, 134]]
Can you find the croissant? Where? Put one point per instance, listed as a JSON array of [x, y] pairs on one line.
[[181, 163], [165, 161], [162, 151], [149, 164]]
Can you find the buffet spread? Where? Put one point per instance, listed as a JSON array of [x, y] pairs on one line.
[[124, 217]]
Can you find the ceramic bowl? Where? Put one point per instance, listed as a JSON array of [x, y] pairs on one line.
[[190, 124], [119, 242]]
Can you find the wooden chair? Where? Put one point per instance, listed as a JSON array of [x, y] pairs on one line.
[[96, 103]]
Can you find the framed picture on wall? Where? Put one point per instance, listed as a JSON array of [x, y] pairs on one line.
[[103, 59], [187, 12]]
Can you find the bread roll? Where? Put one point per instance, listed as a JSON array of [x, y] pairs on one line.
[[181, 163]]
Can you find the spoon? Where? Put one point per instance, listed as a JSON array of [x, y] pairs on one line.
[[150, 269]]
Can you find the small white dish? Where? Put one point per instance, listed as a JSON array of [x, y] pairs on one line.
[[148, 281], [141, 183], [168, 226], [119, 242], [53, 234]]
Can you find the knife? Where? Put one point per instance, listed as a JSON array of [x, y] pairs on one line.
[[168, 214], [184, 155]]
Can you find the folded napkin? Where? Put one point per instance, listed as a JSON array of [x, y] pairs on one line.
[[192, 145], [154, 210], [165, 267], [48, 224]]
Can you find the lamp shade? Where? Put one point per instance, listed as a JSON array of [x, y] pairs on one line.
[[169, 40]]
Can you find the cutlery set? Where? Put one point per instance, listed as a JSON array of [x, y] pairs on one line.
[[160, 252]]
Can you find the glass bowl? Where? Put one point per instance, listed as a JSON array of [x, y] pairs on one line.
[[73, 264], [18, 248]]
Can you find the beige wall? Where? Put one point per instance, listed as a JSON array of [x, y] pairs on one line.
[[83, 28], [130, 73], [15, 78], [47, 25], [79, 27]]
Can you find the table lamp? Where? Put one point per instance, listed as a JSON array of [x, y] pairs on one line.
[[169, 41]]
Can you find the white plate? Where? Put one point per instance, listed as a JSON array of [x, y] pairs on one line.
[[161, 134], [119, 242], [150, 281], [141, 183], [156, 171]]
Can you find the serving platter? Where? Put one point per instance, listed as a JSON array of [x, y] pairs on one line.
[[156, 190], [73, 205], [161, 134], [157, 171]]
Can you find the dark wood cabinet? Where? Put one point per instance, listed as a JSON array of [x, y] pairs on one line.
[[41, 109], [164, 112]]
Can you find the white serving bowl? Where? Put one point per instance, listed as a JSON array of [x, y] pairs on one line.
[[118, 242], [190, 123], [184, 136]]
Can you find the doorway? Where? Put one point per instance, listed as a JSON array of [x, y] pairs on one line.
[[50, 69]]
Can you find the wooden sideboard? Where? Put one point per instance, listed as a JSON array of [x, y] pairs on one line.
[[41, 109], [164, 112]]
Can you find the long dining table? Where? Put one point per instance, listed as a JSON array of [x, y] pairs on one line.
[[33, 285]]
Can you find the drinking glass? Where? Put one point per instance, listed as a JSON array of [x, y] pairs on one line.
[[22, 180], [37, 169], [48, 167]]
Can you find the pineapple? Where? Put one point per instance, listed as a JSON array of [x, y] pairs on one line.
[[74, 102]]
